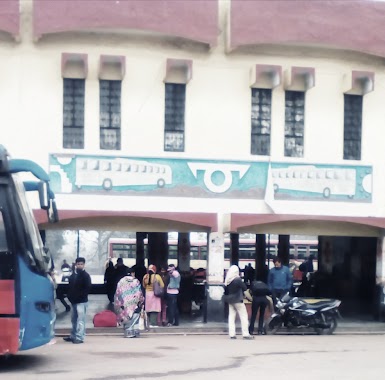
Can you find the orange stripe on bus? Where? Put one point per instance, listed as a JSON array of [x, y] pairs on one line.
[[7, 297], [9, 335]]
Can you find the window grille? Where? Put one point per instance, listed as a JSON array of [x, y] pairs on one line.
[[260, 121], [294, 123], [352, 127], [175, 100], [110, 114], [73, 113]]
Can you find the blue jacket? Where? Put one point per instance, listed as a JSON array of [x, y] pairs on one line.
[[280, 278]]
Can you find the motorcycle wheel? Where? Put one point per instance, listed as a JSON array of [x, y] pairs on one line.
[[332, 321], [273, 325]]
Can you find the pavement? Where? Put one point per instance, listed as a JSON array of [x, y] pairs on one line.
[[194, 324], [198, 357]]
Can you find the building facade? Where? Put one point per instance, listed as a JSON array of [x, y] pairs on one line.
[[217, 116]]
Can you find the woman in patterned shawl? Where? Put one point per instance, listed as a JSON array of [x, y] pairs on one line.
[[128, 303]]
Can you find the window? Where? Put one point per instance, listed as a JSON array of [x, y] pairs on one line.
[[352, 127], [260, 121], [110, 93], [174, 117], [294, 123], [73, 113]]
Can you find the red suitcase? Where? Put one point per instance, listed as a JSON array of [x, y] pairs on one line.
[[105, 318]]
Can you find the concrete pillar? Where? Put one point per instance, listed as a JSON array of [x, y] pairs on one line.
[[158, 249], [184, 251], [380, 276], [234, 249], [260, 260], [140, 236], [215, 277], [186, 284], [284, 248]]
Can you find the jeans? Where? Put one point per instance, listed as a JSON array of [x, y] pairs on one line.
[[258, 303], [78, 320], [172, 309]]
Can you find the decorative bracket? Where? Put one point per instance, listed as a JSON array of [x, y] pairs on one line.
[[178, 71], [300, 79], [265, 76], [74, 65]]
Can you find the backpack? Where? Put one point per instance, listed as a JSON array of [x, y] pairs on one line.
[[158, 289], [105, 318]]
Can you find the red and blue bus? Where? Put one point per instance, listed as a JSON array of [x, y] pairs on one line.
[[27, 312]]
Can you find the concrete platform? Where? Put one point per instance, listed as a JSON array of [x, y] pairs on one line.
[[193, 324]]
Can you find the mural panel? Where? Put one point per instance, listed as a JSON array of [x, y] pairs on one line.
[[82, 174]]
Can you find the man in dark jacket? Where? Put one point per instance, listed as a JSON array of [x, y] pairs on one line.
[[259, 291], [79, 287]]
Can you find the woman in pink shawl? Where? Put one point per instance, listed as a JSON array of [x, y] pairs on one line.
[[128, 304]]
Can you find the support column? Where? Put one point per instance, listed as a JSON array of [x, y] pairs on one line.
[[234, 249], [260, 260], [158, 249], [184, 251], [140, 236], [215, 277], [284, 248], [186, 284], [380, 276]]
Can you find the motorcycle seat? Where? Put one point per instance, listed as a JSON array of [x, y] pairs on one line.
[[319, 304]]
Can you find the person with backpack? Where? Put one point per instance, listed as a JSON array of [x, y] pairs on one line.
[[152, 302], [259, 291]]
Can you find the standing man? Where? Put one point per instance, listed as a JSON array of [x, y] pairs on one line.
[[78, 289], [65, 265], [172, 296], [280, 280]]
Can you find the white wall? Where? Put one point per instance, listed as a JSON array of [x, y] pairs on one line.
[[217, 109]]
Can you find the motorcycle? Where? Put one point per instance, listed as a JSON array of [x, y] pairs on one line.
[[296, 313]]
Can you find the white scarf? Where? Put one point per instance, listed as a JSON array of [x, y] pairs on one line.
[[232, 274]]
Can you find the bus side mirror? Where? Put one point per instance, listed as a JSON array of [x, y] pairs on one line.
[[53, 215], [43, 195]]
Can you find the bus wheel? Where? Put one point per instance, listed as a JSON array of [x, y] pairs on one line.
[[161, 182], [107, 184], [276, 188], [326, 192]]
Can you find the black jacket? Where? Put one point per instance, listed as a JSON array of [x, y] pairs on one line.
[[234, 291], [79, 287], [259, 289]]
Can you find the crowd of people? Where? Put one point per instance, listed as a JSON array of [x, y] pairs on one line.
[[132, 290], [279, 282]]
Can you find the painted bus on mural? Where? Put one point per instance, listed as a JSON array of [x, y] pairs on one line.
[[308, 178], [120, 172]]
